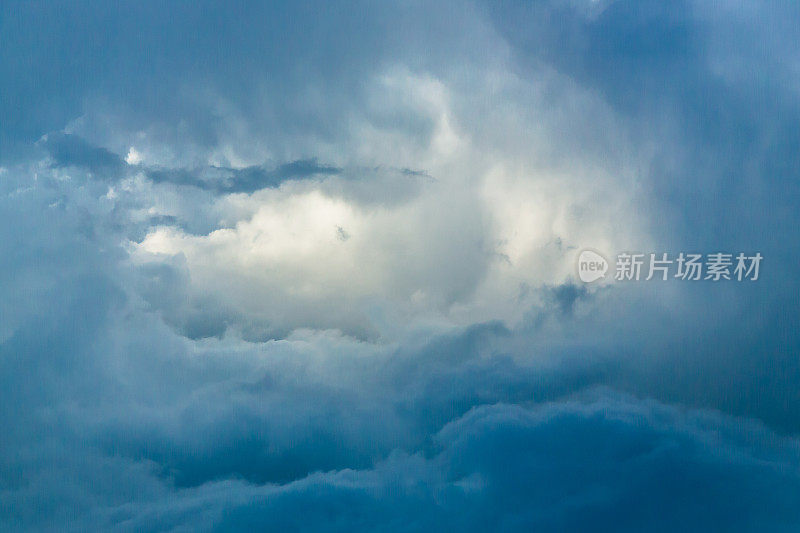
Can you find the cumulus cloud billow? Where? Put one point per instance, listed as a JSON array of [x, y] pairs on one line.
[[312, 267]]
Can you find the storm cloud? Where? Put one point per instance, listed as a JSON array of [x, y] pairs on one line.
[[312, 266]]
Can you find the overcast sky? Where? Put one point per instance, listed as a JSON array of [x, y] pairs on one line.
[[312, 267]]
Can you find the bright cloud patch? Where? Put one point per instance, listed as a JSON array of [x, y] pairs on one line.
[[483, 228]]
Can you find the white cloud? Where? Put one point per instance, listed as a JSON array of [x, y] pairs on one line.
[[494, 220], [133, 157]]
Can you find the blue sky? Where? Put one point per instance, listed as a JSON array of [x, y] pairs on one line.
[[311, 266]]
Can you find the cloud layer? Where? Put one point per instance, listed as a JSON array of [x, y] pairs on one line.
[[312, 267]]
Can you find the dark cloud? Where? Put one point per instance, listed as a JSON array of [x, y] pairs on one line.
[[68, 150], [606, 462], [244, 180], [131, 402]]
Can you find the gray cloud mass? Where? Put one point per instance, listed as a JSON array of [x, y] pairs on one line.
[[310, 266]]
